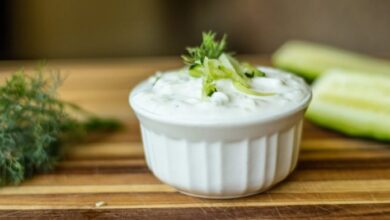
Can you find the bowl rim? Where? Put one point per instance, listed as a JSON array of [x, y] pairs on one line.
[[233, 121]]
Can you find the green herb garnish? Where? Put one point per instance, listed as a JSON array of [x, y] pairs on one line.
[[209, 47], [211, 62], [35, 125]]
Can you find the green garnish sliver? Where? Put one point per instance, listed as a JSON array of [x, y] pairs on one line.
[[242, 88]]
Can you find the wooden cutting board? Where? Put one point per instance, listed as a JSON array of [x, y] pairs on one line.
[[337, 176]]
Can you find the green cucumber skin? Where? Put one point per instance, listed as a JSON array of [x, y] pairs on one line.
[[347, 127], [364, 120], [310, 60]]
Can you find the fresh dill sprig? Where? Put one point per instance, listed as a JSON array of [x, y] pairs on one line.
[[210, 62], [34, 125], [209, 47]]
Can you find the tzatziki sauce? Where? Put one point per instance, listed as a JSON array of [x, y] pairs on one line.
[[176, 94]]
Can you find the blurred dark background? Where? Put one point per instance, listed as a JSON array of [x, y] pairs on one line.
[[97, 28]]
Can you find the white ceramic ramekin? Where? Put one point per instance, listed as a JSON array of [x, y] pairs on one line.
[[229, 159]]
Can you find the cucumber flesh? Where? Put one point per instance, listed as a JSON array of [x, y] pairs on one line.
[[341, 103], [310, 59]]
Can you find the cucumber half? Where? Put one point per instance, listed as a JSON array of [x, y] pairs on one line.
[[353, 103], [310, 60]]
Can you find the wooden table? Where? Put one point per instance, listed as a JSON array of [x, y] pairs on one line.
[[336, 176]]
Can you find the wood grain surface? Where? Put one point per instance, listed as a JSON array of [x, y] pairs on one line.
[[336, 177]]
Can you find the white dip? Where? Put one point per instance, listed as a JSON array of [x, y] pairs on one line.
[[175, 94]]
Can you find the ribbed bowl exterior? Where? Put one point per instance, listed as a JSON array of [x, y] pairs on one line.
[[227, 167]]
